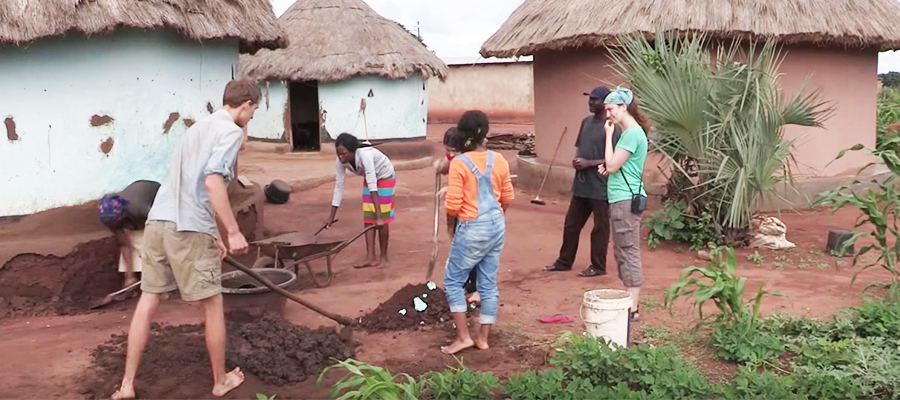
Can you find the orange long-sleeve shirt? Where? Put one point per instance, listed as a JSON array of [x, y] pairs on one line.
[[462, 187]]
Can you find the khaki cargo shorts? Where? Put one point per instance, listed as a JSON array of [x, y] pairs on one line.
[[626, 230], [187, 261]]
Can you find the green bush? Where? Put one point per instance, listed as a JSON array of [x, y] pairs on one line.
[[752, 384], [673, 221], [659, 372], [554, 384], [459, 383], [364, 381], [744, 342], [878, 319]]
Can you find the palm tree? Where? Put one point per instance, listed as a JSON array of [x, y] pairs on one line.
[[719, 115]]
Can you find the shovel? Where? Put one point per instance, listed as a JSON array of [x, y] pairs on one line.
[[112, 296], [437, 206]]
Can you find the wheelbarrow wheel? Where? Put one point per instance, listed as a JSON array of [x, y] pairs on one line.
[[267, 262]]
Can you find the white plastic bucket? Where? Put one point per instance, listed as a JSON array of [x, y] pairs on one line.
[[605, 314]]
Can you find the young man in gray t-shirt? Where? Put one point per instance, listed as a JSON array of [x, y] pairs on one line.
[[183, 248]]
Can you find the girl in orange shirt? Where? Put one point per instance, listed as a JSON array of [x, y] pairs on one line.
[[478, 192]]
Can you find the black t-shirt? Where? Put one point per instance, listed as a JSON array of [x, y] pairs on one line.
[[140, 196], [591, 144]]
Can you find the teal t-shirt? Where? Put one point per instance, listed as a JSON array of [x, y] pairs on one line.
[[635, 141]]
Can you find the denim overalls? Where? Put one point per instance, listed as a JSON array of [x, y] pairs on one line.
[[477, 244]]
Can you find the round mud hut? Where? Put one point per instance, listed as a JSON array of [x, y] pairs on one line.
[[341, 53], [834, 44], [97, 93]]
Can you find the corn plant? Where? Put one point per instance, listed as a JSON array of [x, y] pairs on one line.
[[364, 381], [720, 284], [880, 208]]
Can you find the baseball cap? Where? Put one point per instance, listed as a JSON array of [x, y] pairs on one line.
[[599, 92]]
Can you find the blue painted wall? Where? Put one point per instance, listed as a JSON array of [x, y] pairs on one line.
[[268, 121], [396, 110], [52, 88]]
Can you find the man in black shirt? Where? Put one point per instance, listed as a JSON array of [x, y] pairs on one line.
[[588, 191], [125, 215]]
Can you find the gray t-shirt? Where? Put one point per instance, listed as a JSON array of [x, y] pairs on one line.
[[209, 147], [591, 144]]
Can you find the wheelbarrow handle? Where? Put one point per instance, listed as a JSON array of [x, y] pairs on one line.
[[349, 241], [337, 318]]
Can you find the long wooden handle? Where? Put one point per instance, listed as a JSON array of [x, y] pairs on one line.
[[337, 318], [552, 160]]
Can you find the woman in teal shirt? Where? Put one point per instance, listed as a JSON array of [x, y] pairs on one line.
[[627, 198]]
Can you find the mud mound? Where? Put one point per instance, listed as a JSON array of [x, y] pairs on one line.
[[279, 352], [271, 348], [399, 312], [32, 284]]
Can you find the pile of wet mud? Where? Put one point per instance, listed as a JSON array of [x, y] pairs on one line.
[[411, 307], [33, 284], [175, 363]]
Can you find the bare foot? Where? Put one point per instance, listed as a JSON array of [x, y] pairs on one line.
[[384, 261], [123, 393], [457, 346], [367, 264], [233, 379], [482, 344]]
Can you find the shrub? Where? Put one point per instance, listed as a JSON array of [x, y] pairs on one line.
[[743, 341], [364, 381], [752, 384], [554, 384], [659, 372], [673, 221], [459, 383]]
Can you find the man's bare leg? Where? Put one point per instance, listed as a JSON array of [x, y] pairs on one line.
[[215, 344], [463, 339], [138, 335], [635, 297], [383, 236]]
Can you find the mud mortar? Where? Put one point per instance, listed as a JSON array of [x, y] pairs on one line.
[[388, 317], [271, 349]]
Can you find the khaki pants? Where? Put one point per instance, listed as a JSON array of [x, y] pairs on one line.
[[187, 261], [626, 227], [137, 242]]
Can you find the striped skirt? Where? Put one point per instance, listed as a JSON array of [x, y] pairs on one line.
[[385, 197]]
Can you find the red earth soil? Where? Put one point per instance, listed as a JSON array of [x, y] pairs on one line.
[[44, 357]]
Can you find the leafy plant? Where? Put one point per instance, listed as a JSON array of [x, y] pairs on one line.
[[718, 282], [657, 372], [364, 381], [720, 120], [743, 341], [673, 221], [755, 257], [459, 383], [752, 384], [554, 384], [261, 396], [880, 208]]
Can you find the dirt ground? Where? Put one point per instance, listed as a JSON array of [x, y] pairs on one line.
[[47, 356]]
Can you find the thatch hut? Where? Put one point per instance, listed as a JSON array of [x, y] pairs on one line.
[[96, 93], [340, 53], [835, 43]]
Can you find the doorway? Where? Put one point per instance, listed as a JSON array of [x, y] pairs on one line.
[[305, 116]]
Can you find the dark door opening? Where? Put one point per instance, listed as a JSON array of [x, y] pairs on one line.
[[305, 116]]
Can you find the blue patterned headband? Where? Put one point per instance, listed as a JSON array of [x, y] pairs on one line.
[[620, 96]]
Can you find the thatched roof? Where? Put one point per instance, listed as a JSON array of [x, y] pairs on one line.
[[251, 21], [333, 40], [560, 24]]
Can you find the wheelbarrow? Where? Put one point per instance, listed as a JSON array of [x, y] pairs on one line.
[[291, 250]]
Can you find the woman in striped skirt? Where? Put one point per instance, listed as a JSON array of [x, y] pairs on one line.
[[378, 190]]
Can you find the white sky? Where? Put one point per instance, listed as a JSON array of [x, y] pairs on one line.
[[458, 28]]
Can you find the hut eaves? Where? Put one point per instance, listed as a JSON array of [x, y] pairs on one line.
[[560, 24], [251, 21], [333, 40]]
